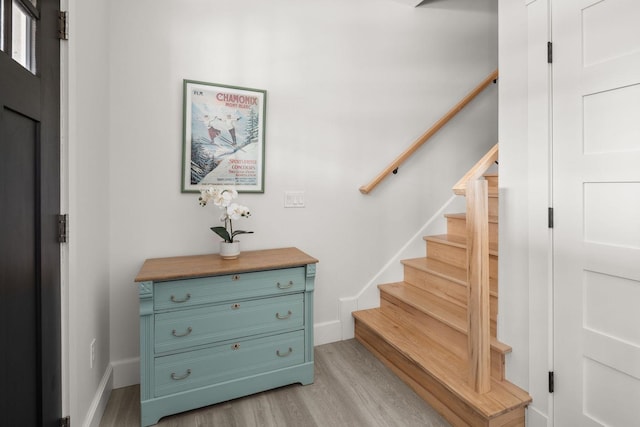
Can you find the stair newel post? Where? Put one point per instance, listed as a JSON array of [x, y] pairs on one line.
[[478, 285]]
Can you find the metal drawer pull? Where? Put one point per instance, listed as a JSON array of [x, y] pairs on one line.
[[286, 354], [186, 298], [235, 346], [189, 330], [286, 316], [287, 286], [235, 306], [177, 378]]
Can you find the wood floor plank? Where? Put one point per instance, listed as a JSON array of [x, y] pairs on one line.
[[351, 388]]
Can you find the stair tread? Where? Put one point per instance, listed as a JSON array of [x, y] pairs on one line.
[[460, 242], [492, 218], [439, 268], [444, 311], [442, 364]]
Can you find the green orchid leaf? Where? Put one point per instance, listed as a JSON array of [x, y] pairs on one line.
[[235, 233], [223, 233]]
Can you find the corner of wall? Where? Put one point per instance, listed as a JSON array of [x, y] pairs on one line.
[[126, 372]]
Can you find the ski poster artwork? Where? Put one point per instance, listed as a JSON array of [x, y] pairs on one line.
[[224, 136]]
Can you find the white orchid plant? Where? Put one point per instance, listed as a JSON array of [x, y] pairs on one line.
[[223, 198]]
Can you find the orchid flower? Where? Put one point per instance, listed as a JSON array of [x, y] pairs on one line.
[[230, 211]]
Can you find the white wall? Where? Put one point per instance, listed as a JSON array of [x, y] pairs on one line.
[[86, 195], [350, 84], [513, 183]]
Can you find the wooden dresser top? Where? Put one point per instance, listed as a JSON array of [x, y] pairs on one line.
[[173, 268]]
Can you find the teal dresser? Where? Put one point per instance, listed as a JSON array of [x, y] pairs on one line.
[[213, 330]]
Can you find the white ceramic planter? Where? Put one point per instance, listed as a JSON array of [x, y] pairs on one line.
[[230, 250]]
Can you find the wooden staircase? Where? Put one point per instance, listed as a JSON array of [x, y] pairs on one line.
[[421, 329]]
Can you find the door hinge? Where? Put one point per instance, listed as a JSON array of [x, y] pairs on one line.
[[65, 422], [550, 217], [551, 385], [549, 53], [63, 25], [62, 228]]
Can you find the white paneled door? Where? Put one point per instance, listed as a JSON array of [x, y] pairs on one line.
[[596, 196]]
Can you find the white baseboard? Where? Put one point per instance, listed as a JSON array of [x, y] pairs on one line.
[[100, 400], [347, 306], [126, 372], [327, 332]]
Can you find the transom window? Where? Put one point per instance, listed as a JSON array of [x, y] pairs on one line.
[[18, 24]]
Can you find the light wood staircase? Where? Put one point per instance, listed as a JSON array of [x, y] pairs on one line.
[[420, 330]]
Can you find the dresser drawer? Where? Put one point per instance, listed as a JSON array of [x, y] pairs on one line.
[[186, 371], [181, 329], [203, 290]]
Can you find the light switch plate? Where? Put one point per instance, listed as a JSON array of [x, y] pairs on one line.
[[294, 199]]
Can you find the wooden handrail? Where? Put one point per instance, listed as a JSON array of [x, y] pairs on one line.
[[393, 166], [477, 170]]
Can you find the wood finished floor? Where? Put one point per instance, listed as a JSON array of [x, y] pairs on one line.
[[352, 388]]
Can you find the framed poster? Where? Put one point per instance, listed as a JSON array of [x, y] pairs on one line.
[[223, 137]]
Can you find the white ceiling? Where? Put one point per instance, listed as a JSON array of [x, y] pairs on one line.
[[412, 3]]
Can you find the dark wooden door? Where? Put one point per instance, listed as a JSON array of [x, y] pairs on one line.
[[30, 360]]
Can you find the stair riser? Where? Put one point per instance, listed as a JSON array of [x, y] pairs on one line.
[[457, 256], [456, 341], [449, 405], [458, 227], [446, 289], [449, 290]]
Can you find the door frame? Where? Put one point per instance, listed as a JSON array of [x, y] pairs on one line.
[[540, 201], [525, 306], [65, 309], [64, 207]]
